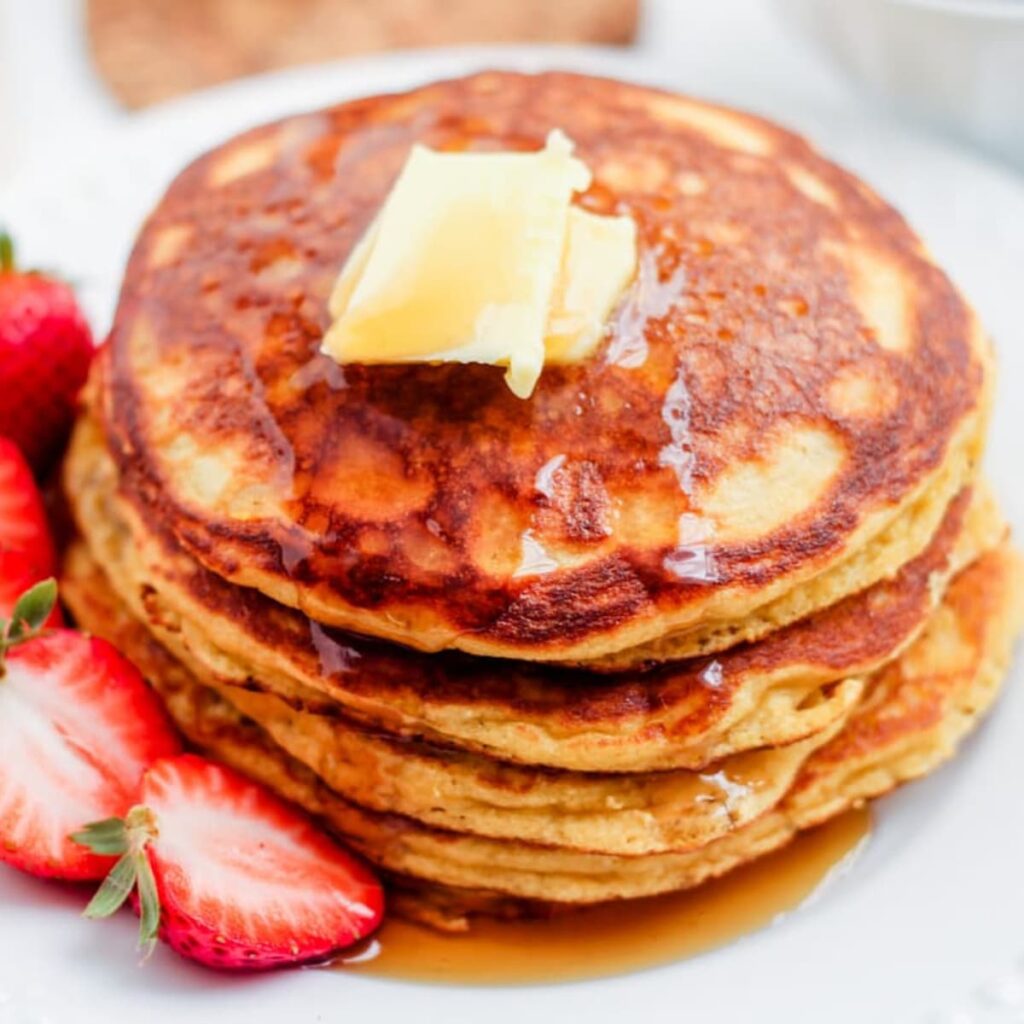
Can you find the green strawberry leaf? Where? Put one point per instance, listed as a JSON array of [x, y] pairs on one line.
[[34, 606], [149, 904], [116, 887], [30, 612], [108, 836], [128, 836], [6, 252]]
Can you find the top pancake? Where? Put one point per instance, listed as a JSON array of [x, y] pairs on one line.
[[786, 377]]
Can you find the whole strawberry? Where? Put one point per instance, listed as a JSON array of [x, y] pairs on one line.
[[45, 351]]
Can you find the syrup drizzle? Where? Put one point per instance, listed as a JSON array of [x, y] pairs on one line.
[[544, 481], [731, 790], [535, 560], [335, 657], [712, 676], [694, 562], [650, 298], [678, 454], [319, 370], [620, 937], [692, 559]]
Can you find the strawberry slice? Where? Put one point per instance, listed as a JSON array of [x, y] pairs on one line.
[[23, 525], [230, 876], [78, 726]]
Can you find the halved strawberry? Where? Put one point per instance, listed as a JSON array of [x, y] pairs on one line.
[[78, 726], [23, 525], [230, 876]]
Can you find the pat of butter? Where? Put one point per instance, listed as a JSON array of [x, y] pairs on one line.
[[481, 258], [597, 264]]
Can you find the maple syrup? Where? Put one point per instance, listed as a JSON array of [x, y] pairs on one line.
[[617, 938]]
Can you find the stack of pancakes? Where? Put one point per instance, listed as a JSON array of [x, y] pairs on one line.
[[731, 575]]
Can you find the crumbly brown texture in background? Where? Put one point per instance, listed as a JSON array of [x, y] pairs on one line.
[[151, 50]]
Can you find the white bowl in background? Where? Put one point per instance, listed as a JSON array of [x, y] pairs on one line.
[[957, 64]]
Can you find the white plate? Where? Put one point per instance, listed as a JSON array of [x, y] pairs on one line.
[[928, 924]]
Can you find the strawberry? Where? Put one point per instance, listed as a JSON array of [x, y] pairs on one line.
[[78, 726], [26, 548], [23, 525], [228, 875], [45, 351]]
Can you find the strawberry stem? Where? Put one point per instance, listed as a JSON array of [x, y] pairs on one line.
[[31, 611], [6, 253], [129, 837]]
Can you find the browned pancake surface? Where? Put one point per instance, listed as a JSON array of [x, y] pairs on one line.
[[687, 714], [788, 370]]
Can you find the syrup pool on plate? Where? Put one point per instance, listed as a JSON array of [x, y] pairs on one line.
[[617, 938]]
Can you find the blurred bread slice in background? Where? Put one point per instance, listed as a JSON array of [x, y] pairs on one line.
[[150, 50]]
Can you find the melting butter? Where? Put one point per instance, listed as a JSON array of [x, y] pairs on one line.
[[599, 260], [482, 258]]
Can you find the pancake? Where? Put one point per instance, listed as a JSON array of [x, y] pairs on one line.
[[626, 814], [689, 715], [916, 712], [789, 395]]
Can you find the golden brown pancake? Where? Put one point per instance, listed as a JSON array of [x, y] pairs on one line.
[[789, 395], [916, 712], [627, 814], [787, 687]]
